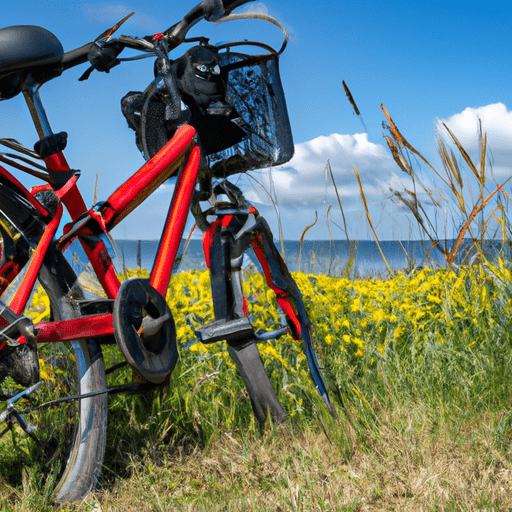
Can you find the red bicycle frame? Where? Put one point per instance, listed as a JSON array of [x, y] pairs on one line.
[[182, 153]]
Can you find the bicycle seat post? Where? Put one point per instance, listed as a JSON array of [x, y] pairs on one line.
[[35, 106], [50, 145]]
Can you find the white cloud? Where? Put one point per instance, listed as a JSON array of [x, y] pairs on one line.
[[106, 11], [253, 8], [113, 12], [303, 185], [304, 180], [496, 123]]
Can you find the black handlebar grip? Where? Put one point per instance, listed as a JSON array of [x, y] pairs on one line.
[[103, 57]]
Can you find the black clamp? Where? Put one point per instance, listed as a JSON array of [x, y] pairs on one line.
[[51, 145]]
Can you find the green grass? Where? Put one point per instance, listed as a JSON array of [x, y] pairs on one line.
[[419, 369]]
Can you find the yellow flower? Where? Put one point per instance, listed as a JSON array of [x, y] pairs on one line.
[[433, 298], [46, 371], [198, 347], [359, 342], [329, 339], [397, 333], [356, 304]]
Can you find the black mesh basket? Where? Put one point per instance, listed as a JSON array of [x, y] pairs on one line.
[[254, 89], [252, 132]]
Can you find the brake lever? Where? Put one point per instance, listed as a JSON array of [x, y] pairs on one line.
[[103, 56], [108, 61], [103, 53], [170, 93]]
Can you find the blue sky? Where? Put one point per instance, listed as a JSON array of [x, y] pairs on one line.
[[426, 61]]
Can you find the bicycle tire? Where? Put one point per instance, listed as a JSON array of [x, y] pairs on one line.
[[71, 440], [86, 446], [246, 355]]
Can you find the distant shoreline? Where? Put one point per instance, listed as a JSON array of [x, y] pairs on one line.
[[360, 258]]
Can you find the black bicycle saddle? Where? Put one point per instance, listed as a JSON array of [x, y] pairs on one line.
[[27, 49]]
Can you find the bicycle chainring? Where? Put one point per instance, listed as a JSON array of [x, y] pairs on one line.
[[144, 330]]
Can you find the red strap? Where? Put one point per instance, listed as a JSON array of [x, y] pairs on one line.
[[208, 238], [66, 188]]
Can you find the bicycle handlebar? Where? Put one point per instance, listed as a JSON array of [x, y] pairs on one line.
[[75, 57], [211, 10]]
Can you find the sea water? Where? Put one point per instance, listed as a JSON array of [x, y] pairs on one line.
[[363, 258]]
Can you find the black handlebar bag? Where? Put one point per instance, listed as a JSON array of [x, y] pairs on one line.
[[234, 100]]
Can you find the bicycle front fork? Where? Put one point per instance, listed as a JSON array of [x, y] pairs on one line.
[[237, 228]]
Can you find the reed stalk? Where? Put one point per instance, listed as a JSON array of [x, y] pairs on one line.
[[301, 241], [369, 219], [465, 205]]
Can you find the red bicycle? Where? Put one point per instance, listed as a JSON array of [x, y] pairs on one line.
[[209, 114]]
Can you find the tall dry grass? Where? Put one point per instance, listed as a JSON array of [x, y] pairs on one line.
[[467, 191]]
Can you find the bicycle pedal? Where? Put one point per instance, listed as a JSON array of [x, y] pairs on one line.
[[228, 330]]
